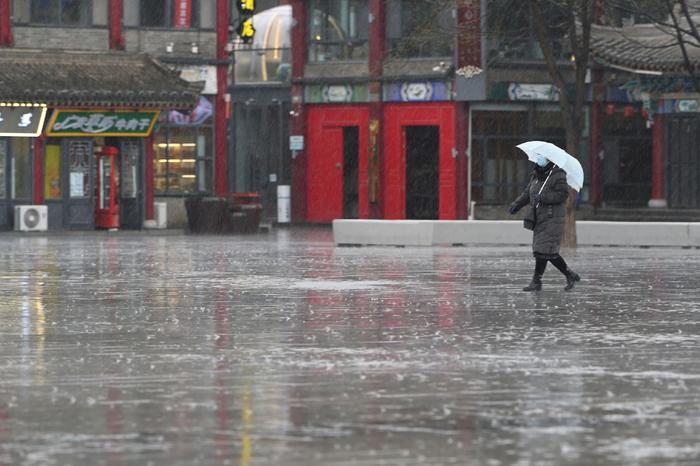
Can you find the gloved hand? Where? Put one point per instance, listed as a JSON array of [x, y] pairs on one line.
[[537, 198], [512, 209]]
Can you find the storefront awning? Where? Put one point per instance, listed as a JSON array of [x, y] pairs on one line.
[[88, 79]]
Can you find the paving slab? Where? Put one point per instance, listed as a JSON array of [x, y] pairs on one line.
[[283, 349]]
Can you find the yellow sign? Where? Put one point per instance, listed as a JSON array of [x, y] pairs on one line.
[[246, 31], [246, 6]]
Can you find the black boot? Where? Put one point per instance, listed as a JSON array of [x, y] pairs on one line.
[[535, 283], [571, 278]]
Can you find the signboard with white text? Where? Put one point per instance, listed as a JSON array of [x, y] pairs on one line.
[[102, 123], [21, 121]]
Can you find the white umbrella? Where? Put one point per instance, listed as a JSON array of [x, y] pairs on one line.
[[560, 158]]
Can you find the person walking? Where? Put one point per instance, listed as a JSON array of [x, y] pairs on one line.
[[545, 196]]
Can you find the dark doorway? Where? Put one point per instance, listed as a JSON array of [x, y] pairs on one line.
[[351, 200], [422, 172], [683, 175], [131, 199]]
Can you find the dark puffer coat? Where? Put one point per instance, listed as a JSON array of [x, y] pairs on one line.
[[549, 215]]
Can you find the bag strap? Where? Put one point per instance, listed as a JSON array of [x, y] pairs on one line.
[[542, 187]]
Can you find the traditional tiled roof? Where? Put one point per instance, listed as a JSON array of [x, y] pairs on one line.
[[88, 79], [643, 47]]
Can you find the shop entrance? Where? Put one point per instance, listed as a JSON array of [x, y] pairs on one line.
[[69, 184], [336, 172], [422, 145], [351, 201], [131, 199], [683, 176]]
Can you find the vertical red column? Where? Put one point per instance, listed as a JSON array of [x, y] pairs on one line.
[[461, 136], [116, 36], [467, 54], [149, 190], [658, 172], [298, 117], [220, 127], [377, 47], [38, 170], [5, 24]]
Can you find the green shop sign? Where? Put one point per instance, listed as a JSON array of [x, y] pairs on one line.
[[102, 123], [336, 93]]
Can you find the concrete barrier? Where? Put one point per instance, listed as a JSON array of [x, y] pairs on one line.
[[510, 232]]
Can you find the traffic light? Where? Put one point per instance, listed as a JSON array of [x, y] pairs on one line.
[[246, 31]]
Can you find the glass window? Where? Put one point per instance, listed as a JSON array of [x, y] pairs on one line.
[[153, 13], [61, 12], [52, 172], [417, 28], [338, 30], [178, 14], [184, 149], [272, 61], [21, 153], [511, 34], [500, 170], [79, 156]]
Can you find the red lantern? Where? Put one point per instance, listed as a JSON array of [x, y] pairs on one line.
[[610, 109], [628, 111]]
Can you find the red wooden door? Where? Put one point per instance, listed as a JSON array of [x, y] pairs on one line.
[[324, 169], [325, 174]]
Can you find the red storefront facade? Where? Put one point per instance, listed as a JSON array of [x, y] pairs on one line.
[[384, 137]]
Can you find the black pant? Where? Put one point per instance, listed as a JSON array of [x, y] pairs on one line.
[[557, 261]]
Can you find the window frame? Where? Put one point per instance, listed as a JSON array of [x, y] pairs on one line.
[[87, 8], [208, 159], [395, 43], [195, 25], [351, 42]]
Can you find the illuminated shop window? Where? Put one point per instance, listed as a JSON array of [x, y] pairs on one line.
[[183, 150]]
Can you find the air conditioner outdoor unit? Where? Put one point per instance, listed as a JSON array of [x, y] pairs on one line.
[[31, 218]]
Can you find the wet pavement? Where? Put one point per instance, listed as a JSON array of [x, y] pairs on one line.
[[282, 349]]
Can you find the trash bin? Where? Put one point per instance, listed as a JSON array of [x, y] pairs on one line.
[[207, 214], [246, 212]]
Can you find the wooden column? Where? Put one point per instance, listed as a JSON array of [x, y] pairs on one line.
[[6, 39], [38, 195], [220, 118], [658, 159], [116, 36], [297, 125], [377, 48]]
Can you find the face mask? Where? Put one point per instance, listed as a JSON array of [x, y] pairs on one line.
[[541, 161]]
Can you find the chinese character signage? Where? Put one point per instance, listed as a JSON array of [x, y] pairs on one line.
[[246, 7], [183, 14], [21, 121], [246, 31], [98, 123]]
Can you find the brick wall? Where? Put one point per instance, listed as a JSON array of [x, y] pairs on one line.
[[61, 38]]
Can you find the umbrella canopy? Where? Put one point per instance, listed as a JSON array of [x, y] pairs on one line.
[[560, 158]]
